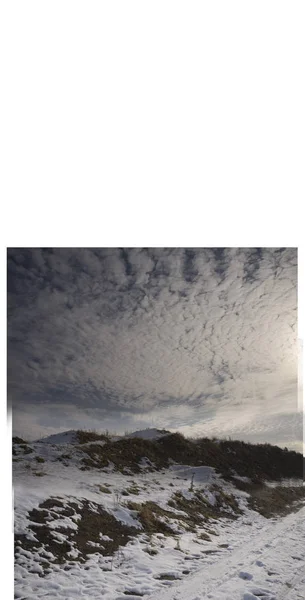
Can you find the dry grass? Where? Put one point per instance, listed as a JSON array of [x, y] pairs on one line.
[[271, 502], [256, 461], [199, 511], [125, 454], [90, 436], [196, 512], [90, 525], [149, 514], [105, 489]]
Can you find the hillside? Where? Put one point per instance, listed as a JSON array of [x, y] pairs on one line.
[[97, 516], [160, 448]]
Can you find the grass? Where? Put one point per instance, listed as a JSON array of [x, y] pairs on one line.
[[197, 511], [273, 501], [93, 521], [133, 489], [104, 489], [204, 536], [125, 454], [26, 449], [149, 514], [90, 436], [225, 501], [39, 459], [194, 513], [151, 551], [257, 461]]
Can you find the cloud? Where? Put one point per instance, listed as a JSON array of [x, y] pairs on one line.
[[193, 334]]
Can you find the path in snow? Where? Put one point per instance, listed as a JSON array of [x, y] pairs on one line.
[[269, 567]]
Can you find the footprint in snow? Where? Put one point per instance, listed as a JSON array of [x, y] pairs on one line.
[[250, 596], [260, 563], [245, 575], [261, 594]]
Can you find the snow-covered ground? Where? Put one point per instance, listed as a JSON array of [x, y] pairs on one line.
[[71, 437], [269, 565], [65, 437], [247, 558]]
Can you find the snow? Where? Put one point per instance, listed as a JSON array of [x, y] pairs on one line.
[[148, 434], [278, 574], [244, 479], [66, 437], [70, 437], [287, 482], [250, 558], [199, 474], [125, 516]]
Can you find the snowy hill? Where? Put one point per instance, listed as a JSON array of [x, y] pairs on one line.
[[123, 519], [148, 434], [73, 437], [65, 437]]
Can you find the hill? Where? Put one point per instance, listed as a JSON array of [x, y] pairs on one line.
[[97, 516]]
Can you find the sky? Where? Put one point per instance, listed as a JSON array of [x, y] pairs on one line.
[[197, 340]]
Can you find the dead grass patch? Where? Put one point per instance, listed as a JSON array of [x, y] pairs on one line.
[[84, 437], [256, 461], [199, 511], [204, 536], [104, 489], [94, 520], [126, 455], [274, 501], [149, 515], [133, 489]]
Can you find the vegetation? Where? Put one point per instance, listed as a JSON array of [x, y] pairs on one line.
[[257, 461], [272, 501], [90, 436], [105, 489], [39, 459], [185, 511], [149, 514], [93, 520]]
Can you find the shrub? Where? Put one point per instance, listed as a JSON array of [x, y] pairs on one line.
[[39, 459]]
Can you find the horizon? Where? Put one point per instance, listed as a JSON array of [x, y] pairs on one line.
[[114, 434], [199, 340]]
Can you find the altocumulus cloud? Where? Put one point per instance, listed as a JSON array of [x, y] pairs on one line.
[[201, 340]]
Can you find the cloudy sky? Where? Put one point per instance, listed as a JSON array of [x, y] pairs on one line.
[[200, 340]]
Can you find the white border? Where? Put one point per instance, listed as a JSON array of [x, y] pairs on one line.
[[211, 154]]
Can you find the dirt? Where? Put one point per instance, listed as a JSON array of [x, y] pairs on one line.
[[93, 521]]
